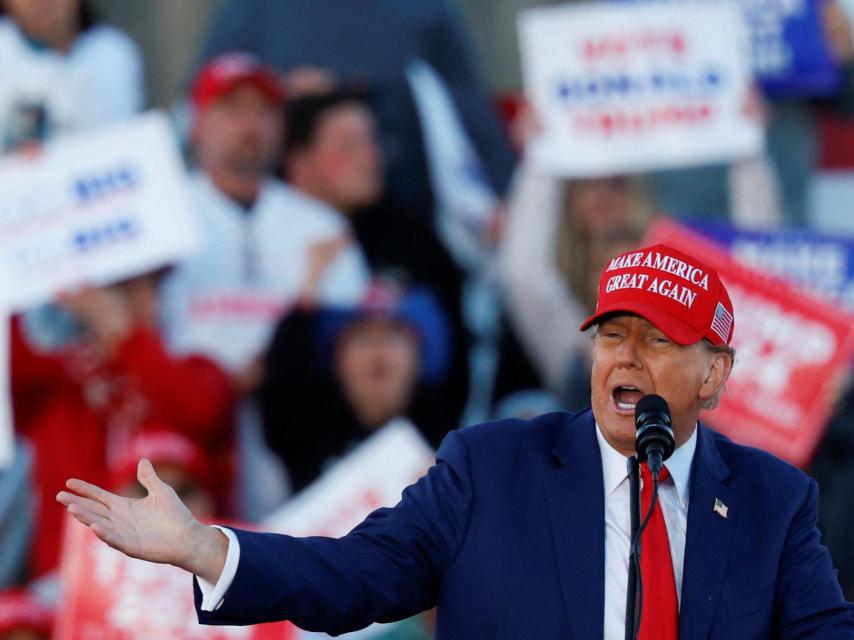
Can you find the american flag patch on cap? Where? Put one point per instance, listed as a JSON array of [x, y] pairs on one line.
[[722, 322]]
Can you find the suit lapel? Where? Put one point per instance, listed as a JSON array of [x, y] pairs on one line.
[[576, 499], [709, 538]]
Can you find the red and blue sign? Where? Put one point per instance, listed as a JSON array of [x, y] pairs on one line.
[[820, 264], [791, 54]]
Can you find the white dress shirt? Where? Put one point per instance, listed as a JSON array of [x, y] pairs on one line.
[[673, 495], [226, 300], [213, 595]]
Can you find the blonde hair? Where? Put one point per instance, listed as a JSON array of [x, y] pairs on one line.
[[580, 252]]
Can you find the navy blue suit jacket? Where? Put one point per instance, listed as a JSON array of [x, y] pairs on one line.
[[506, 535]]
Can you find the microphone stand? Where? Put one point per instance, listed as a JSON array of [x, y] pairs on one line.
[[634, 561]]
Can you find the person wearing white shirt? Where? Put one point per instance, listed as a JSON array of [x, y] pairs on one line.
[[266, 248], [63, 72]]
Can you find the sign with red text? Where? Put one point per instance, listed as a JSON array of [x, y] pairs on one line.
[[372, 476], [108, 596], [792, 352], [625, 87]]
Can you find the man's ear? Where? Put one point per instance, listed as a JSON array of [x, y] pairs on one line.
[[718, 368]]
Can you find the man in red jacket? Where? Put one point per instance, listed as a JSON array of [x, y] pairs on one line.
[[81, 401]]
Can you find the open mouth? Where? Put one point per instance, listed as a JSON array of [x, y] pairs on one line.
[[625, 398]]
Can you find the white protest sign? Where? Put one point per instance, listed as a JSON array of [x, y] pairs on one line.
[[93, 208], [372, 476], [626, 87]]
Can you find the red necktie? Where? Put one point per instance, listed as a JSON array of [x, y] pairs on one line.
[[660, 616]]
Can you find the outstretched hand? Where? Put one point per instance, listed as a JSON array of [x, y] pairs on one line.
[[157, 528]]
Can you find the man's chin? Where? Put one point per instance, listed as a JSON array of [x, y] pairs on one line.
[[619, 431], [250, 163]]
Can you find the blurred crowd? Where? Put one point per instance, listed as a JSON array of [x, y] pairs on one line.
[[376, 249]]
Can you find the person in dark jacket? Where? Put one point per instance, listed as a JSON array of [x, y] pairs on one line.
[[335, 375], [332, 154]]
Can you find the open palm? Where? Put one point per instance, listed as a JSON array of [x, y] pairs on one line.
[[158, 528]]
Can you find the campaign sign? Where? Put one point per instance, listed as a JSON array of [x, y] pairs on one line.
[[793, 352], [820, 264], [638, 86], [93, 208], [372, 476], [790, 53], [112, 597]]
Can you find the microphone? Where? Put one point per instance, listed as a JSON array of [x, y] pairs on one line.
[[654, 439]]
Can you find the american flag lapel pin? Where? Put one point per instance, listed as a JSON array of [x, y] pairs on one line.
[[720, 508]]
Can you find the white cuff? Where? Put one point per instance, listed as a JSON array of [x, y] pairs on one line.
[[213, 595]]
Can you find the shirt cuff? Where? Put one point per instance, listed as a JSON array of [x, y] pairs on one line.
[[213, 595]]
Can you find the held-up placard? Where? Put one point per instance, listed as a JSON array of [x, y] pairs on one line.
[[790, 51], [93, 208], [108, 595], [625, 87], [819, 264], [792, 352], [372, 476]]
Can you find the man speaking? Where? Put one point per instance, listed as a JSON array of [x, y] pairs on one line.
[[522, 528]]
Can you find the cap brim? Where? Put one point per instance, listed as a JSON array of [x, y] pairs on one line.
[[672, 327]]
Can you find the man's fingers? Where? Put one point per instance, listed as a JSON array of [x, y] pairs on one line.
[[91, 491], [96, 516], [148, 477], [109, 535], [69, 500], [87, 517]]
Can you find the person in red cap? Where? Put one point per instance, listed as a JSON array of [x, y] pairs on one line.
[[177, 459], [521, 529], [266, 246], [659, 296]]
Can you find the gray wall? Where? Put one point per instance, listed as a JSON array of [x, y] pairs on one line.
[[169, 33], [492, 24]]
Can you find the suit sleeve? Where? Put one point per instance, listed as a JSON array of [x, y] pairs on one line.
[[809, 600], [386, 569]]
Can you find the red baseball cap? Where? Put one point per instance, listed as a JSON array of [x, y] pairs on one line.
[[225, 72], [161, 447], [680, 295]]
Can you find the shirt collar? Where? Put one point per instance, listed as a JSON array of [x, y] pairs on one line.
[[679, 465]]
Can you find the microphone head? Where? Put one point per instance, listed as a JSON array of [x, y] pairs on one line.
[[650, 406], [654, 434]]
